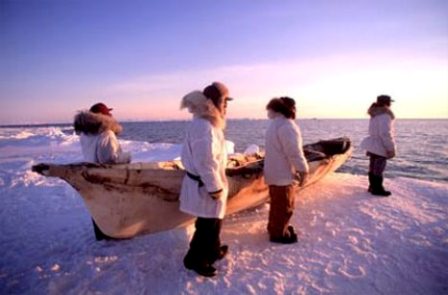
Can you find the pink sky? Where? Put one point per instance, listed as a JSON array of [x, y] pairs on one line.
[[334, 59]]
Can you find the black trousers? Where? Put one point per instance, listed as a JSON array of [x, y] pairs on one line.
[[377, 164], [205, 244]]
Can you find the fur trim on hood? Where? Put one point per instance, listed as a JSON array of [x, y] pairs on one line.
[[202, 107], [376, 110], [92, 123]]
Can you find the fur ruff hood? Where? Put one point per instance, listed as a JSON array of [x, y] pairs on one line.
[[202, 107], [376, 110], [92, 123]]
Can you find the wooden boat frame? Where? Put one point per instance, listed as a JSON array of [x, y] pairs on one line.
[[141, 198]]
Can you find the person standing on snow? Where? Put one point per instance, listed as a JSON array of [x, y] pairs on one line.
[[380, 144], [284, 162], [98, 129], [205, 187]]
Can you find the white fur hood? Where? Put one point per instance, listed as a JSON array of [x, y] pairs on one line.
[[200, 106]]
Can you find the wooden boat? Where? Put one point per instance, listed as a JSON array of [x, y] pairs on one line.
[[141, 198]]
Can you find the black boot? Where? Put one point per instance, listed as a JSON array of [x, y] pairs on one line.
[[292, 232], [383, 190], [189, 261], [371, 182], [378, 189], [223, 250], [203, 269]]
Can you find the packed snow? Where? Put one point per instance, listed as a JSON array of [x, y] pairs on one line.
[[350, 242]]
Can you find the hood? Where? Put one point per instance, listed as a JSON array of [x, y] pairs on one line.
[[92, 123], [202, 107], [376, 110]]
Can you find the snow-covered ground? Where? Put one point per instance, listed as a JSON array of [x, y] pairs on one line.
[[349, 241]]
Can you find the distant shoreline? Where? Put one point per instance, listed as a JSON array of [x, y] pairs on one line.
[[34, 125]]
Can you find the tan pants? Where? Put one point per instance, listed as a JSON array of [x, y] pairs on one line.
[[282, 207]]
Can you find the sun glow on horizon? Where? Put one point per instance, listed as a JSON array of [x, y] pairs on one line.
[[332, 57], [325, 88], [334, 87]]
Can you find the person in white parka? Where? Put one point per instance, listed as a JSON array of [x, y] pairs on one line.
[[98, 136], [380, 144], [284, 163], [97, 130], [205, 187]]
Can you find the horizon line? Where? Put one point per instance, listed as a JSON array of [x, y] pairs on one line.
[[185, 120]]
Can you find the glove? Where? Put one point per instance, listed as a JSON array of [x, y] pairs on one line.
[[216, 195], [390, 154], [301, 177]]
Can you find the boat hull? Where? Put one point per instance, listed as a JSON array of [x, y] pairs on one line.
[[142, 198]]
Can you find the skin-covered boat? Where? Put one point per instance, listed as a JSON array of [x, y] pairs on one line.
[[140, 198]]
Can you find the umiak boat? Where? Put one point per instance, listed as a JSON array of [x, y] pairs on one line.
[[142, 198]]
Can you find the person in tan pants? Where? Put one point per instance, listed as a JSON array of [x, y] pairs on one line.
[[284, 163]]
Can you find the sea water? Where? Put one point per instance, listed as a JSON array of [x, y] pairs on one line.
[[422, 149], [47, 244]]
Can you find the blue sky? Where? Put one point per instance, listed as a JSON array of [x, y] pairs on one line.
[[141, 57]]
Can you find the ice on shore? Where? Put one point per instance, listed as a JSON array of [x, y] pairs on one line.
[[349, 241]]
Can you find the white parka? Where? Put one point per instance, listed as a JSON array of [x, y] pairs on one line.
[[204, 154], [381, 132], [99, 143], [284, 152]]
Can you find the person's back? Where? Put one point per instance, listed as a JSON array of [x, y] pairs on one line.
[[381, 131], [99, 144], [97, 130], [197, 140], [284, 161], [282, 156], [88, 144]]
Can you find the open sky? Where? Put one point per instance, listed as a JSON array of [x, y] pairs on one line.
[[141, 57]]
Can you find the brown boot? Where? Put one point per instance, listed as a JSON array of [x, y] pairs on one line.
[[289, 238]]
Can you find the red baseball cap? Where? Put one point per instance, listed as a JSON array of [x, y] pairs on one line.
[[101, 108]]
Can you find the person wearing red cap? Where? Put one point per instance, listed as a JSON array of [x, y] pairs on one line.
[[380, 144], [205, 187], [97, 130], [101, 108]]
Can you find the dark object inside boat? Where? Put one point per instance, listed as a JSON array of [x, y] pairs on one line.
[[318, 151], [326, 148]]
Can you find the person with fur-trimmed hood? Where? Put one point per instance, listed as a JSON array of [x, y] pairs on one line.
[[205, 187], [98, 129], [284, 165], [380, 144]]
